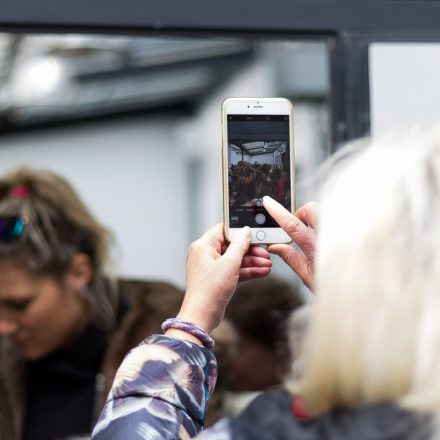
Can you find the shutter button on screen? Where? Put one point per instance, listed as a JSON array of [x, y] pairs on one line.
[[260, 219], [261, 235]]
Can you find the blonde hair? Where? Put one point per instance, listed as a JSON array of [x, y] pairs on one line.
[[59, 226], [375, 331]]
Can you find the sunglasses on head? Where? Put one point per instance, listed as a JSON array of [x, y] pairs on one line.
[[11, 228]]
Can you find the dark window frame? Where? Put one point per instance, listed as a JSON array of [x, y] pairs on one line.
[[348, 26]]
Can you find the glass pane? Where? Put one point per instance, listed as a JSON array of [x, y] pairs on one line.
[[403, 85], [134, 124]]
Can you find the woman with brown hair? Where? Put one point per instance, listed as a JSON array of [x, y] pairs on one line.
[[58, 308]]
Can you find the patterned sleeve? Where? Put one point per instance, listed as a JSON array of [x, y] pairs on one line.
[[161, 391]]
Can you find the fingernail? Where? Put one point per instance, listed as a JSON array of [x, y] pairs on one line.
[[267, 198]]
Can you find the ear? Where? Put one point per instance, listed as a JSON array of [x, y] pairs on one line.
[[80, 271]]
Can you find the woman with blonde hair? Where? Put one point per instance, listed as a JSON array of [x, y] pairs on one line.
[[371, 354]]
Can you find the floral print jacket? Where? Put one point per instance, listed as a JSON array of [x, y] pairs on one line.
[[161, 391], [162, 388]]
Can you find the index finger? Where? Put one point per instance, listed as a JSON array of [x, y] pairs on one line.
[[308, 213], [292, 225]]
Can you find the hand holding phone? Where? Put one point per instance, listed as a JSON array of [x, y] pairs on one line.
[[258, 160], [213, 268]]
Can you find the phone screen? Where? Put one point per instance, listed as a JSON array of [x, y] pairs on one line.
[[258, 165]]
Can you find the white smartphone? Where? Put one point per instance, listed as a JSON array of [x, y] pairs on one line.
[[258, 160]]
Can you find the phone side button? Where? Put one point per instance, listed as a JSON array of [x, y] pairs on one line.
[[261, 235]]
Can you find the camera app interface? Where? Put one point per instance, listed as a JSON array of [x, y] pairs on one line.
[[258, 165]]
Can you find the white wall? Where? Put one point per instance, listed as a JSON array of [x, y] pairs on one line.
[[404, 85], [133, 176]]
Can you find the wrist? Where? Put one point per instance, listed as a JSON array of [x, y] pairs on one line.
[[202, 321], [190, 328], [181, 334], [200, 315]]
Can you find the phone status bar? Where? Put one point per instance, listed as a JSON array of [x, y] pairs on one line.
[[278, 118]]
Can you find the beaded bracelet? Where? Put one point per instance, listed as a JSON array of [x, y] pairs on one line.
[[189, 327]]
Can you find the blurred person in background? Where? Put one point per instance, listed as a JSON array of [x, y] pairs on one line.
[[297, 327], [371, 353], [151, 302], [267, 351], [251, 348], [6, 428], [64, 326], [259, 312]]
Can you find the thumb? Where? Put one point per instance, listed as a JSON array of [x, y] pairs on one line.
[[239, 245]]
